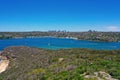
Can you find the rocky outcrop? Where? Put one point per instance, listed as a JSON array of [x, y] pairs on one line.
[[3, 64], [99, 76]]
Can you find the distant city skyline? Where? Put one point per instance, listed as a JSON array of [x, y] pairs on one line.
[[69, 15]]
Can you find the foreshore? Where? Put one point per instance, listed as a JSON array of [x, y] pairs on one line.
[[75, 38]]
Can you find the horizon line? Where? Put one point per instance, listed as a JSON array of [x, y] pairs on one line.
[[60, 31]]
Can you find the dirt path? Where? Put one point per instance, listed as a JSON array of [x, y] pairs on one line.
[[3, 65]]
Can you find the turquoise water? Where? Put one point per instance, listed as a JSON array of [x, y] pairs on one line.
[[58, 43]]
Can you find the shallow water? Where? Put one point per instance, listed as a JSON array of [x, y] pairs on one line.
[[59, 43]]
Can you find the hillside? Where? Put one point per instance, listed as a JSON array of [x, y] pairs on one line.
[[89, 35], [70, 64]]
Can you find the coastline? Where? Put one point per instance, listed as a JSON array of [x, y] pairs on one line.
[[74, 38]]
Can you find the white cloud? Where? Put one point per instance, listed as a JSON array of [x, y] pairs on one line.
[[113, 28]]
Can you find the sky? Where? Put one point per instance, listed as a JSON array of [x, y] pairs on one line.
[[69, 15]]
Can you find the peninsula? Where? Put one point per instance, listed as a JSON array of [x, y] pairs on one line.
[[70, 64]]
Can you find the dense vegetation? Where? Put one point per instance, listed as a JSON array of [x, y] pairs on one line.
[[90, 35], [69, 64]]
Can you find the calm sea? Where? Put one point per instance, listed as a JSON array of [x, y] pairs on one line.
[[58, 43]]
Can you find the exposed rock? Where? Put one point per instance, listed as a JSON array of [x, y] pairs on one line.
[[60, 59], [70, 67], [99, 76], [3, 64]]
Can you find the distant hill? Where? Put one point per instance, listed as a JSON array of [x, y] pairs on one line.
[[90, 35]]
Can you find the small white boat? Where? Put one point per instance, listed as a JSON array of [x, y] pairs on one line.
[[49, 44]]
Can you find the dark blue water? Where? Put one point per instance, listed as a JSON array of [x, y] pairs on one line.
[[59, 43]]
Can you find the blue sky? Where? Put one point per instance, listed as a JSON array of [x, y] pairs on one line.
[[70, 15]]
